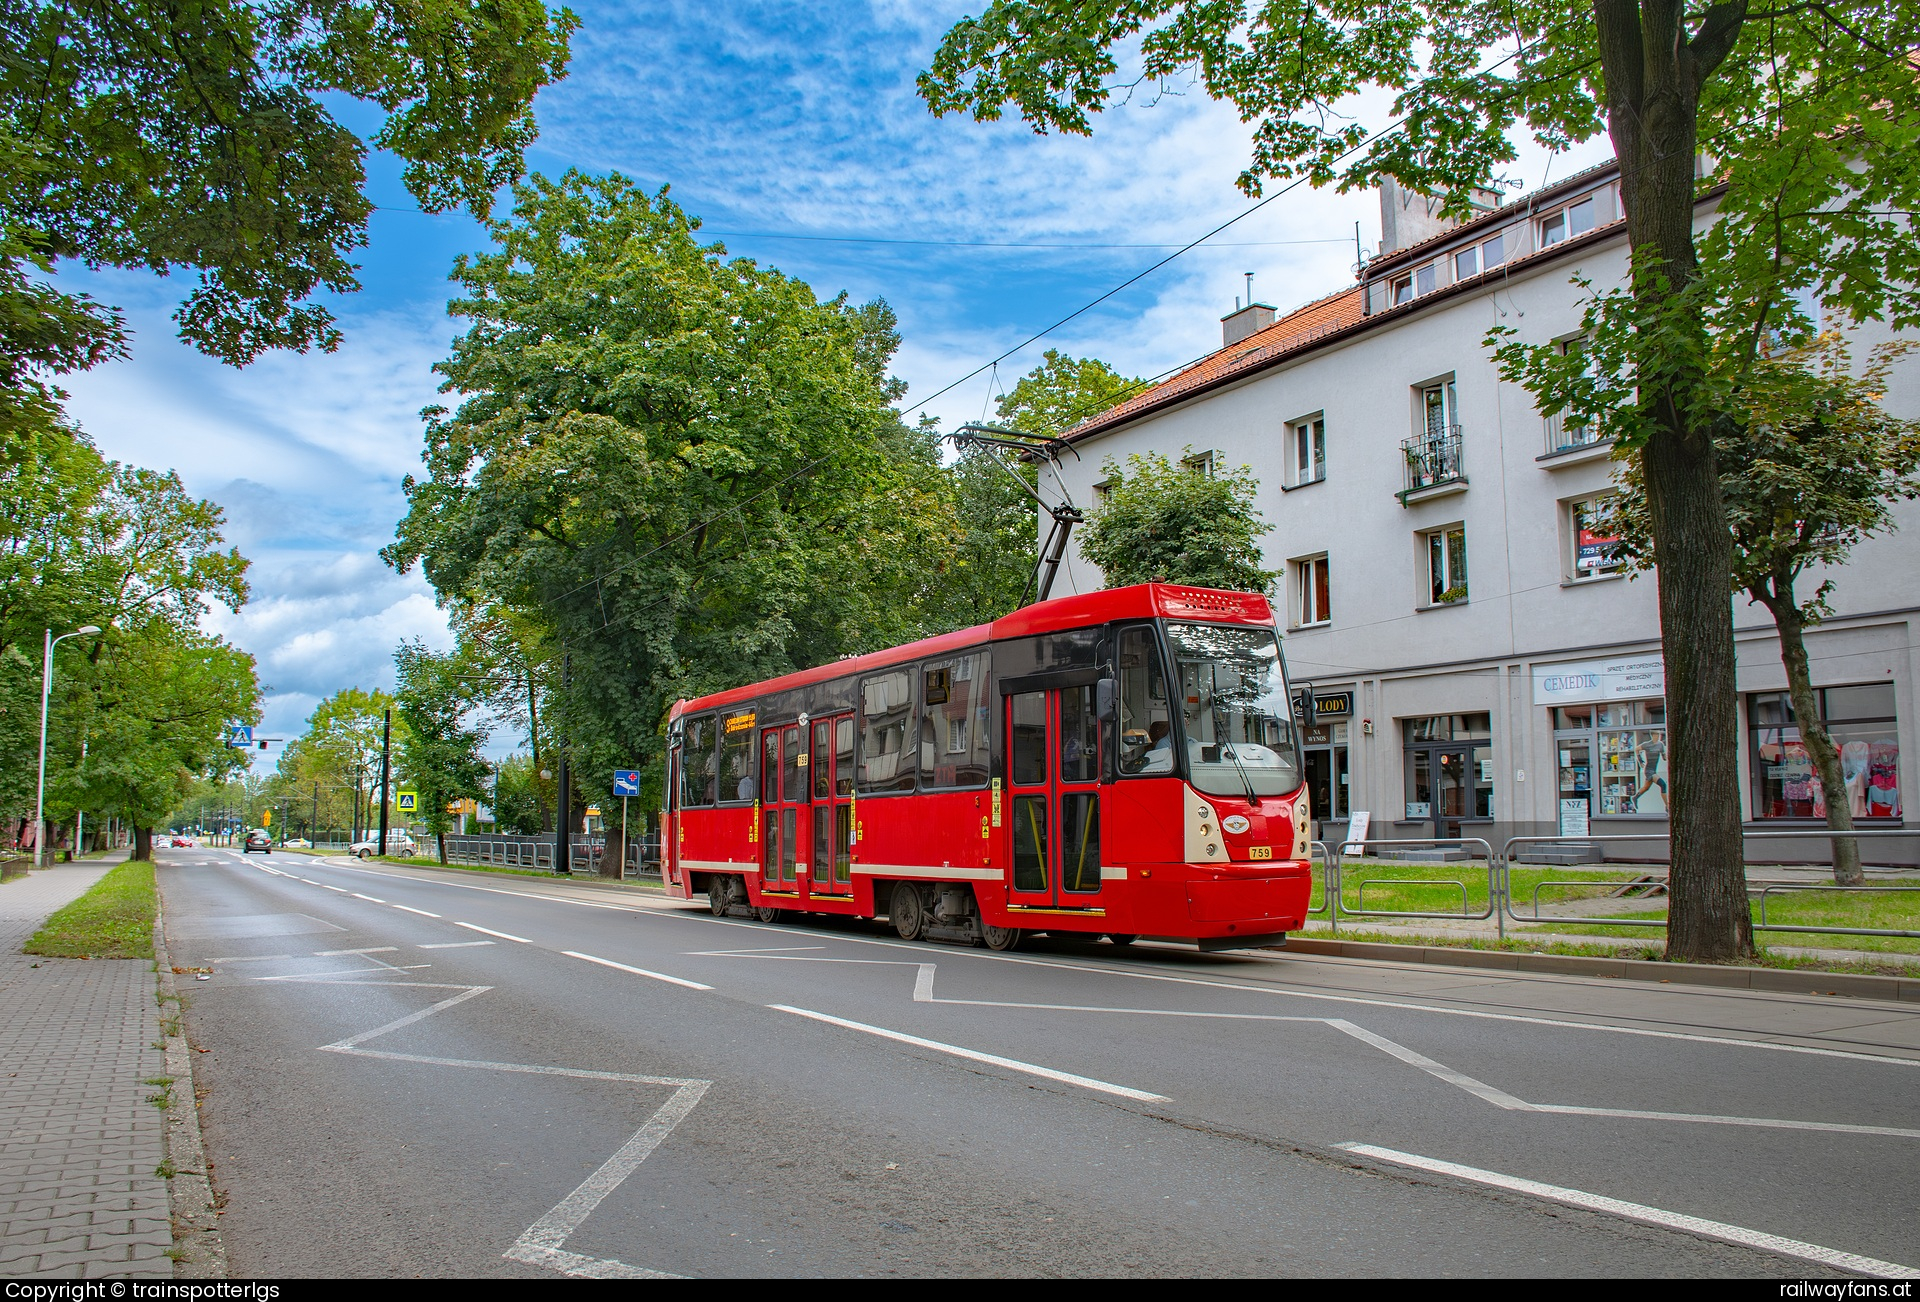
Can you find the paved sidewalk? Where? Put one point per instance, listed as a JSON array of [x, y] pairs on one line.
[[79, 1142]]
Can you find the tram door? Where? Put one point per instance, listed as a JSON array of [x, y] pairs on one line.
[[781, 801], [830, 770], [1053, 788]]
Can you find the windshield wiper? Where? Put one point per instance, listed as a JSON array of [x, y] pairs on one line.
[[1221, 730]]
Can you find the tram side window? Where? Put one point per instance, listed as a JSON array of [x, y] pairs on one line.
[[953, 722], [736, 759], [886, 722], [1146, 721], [697, 764]]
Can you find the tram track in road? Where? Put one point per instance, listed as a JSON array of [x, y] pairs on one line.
[[1199, 1079]]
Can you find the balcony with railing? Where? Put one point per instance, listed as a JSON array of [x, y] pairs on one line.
[[1568, 436], [1434, 466]]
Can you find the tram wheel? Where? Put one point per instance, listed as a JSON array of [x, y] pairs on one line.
[[1121, 938], [766, 913], [719, 895], [908, 914], [1001, 938]]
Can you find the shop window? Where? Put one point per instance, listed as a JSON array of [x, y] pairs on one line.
[[1308, 444], [1314, 592], [1593, 542], [1445, 552], [886, 721], [1861, 722], [1324, 748], [1613, 755], [953, 721]]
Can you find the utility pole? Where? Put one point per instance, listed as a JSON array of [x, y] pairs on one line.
[[386, 772], [563, 839]]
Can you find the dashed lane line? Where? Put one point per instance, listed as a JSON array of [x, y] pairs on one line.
[[410, 909], [975, 1055], [373, 899], [1699, 1225], [489, 931], [637, 971], [458, 944]]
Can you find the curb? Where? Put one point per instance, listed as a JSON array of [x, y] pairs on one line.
[[196, 1222], [1776, 980]]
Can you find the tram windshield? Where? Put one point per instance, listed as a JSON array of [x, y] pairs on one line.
[[1234, 708]]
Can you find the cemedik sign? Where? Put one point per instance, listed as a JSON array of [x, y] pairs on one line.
[[1626, 678]]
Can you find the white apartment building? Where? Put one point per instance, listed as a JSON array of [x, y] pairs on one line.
[[1480, 667]]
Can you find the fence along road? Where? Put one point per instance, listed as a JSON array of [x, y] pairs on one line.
[[871, 1106]]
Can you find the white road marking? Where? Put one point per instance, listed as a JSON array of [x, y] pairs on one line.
[[358, 896], [637, 971], [252, 958], [491, 932], [1646, 1215], [410, 909], [992, 1059], [457, 944], [323, 886], [341, 953]]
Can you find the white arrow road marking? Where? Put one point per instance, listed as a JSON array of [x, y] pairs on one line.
[[992, 1059], [1641, 1212]]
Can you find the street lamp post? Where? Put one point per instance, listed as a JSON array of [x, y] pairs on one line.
[[46, 693]]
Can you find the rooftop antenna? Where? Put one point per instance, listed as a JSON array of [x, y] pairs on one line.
[[995, 440]]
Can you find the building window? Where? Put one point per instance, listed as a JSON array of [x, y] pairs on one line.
[[1566, 431], [1574, 219], [1314, 604], [1446, 560], [1424, 278], [1493, 252], [1309, 456], [1403, 290], [1593, 541], [1102, 491], [1616, 750], [1433, 453], [1200, 463], [1863, 727], [1466, 263]]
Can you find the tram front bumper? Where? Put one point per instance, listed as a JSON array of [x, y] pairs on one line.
[[1245, 906]]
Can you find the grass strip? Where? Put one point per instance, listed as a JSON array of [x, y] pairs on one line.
[[113, 920]]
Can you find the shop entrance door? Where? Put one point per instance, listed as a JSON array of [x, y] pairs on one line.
[[1053, 782], [1450, 785]]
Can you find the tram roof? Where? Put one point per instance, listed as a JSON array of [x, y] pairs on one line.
[[1141, 601]]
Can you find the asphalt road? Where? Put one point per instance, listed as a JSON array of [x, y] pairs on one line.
[[415, 1073]]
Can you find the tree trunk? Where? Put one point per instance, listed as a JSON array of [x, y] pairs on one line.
[[142, 843], [613, 862], [1813, 731], [440, 843], [1653, 77]]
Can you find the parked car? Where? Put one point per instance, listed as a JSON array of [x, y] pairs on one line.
[[398, 843], [298, 843], [181, 843], [258, 839]]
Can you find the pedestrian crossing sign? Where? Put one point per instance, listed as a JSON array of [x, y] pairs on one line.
[[407, 802]]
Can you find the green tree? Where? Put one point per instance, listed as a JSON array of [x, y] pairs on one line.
[[204, 138], [440, 754], [339, 755], [521, 798], [1805, 116], [684, 469], [160, 699], [1163, 523], [1810, 466], [1061, 392]]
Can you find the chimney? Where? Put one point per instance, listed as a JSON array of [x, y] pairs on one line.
[[1408, 217], [1244, 321]]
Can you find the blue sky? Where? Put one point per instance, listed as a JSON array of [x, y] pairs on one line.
[[770, 122]]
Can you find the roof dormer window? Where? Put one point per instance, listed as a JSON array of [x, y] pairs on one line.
[[1574, 219]]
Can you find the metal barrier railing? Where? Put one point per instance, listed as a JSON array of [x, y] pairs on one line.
[[1319, 850], [1760, 924], [1336, 882]]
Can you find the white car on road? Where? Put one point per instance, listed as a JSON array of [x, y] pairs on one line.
[[397, 843]]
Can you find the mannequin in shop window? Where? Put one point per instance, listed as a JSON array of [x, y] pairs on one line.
[[1651, 798]]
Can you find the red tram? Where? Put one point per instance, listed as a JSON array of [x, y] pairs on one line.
[[1122, 763]]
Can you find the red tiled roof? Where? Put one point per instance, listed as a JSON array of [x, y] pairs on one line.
[[1316, 319]]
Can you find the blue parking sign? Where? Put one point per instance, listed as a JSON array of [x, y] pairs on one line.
[[626, 782]]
